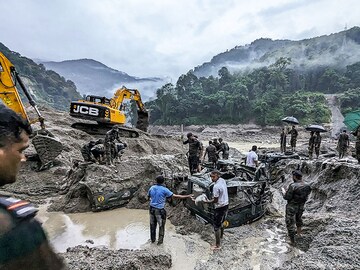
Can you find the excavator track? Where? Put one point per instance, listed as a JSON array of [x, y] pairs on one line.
[[101, 129]]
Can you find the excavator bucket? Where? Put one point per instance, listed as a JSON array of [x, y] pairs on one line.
[[47, 147], [142, 121]]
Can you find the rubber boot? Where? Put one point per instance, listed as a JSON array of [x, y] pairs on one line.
[[298, 230]]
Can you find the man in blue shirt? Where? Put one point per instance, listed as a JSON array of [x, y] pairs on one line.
[[158, 194]]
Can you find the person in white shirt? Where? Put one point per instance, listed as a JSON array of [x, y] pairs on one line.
[[221, 202], [252, 159]]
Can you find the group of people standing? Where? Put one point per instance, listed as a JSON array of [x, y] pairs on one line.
[[314, 144], [197, 154]]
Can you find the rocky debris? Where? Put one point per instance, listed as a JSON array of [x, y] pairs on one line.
[[93, 187], [86, 258]]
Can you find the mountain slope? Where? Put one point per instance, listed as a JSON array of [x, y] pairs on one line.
[[335, 50], [93, 77], [46, 86]]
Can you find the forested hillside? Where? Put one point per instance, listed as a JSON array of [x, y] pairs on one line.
[[46, 86], [263, 96], [246, 88]]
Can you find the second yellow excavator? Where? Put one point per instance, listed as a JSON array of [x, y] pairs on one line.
[[109, 112], [46, 145]]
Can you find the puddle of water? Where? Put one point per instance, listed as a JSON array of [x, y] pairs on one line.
[[120, 228]]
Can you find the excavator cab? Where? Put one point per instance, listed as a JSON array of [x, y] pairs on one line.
[[46, 145], [108, 112]]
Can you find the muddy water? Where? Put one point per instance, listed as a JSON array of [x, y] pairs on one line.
[[120, 228], [245, 147]]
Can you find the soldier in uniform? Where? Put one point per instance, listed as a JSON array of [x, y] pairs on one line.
[[211, 152], [98, 151], [201, 152], [343, 143], [216, 144], [311, 144], [356, 133], [23, 243], [224, 148], [110, 147], [283, 141], [86, 152], [296, 196], [194, 152], [293, 138], [317, 143]]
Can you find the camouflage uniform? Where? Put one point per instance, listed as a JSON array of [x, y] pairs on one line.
[[296, 196], [357, 144], [224, 148], [216, 144], [343, 144], [311, 144], [110, 147], [211, 152], [194, 152], [283, 141], [98, 152], [317, 142], [23, 243], [293, 138], [86, 151]]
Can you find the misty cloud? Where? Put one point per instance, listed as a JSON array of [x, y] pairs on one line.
[[162, 38]]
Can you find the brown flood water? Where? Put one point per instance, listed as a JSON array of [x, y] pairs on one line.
[[120, 228]]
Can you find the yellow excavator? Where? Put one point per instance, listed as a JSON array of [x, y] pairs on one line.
[[109, 112], [46, 145]]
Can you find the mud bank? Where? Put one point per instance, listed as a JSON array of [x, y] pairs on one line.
[[82, 258]]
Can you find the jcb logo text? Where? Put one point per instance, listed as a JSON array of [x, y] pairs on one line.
[[86, 110]]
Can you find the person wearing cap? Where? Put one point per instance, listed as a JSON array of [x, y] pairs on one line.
[[296, 196], [195, 149], [158, 194], [221, 205]]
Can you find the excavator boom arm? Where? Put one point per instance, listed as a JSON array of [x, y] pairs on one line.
[[46, 145]]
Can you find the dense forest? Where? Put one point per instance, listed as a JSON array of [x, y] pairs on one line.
[[263, 96]]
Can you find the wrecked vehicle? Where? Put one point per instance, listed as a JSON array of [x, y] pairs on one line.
[[247, 199]]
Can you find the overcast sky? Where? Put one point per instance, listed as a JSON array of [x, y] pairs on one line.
[[161, 37]]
